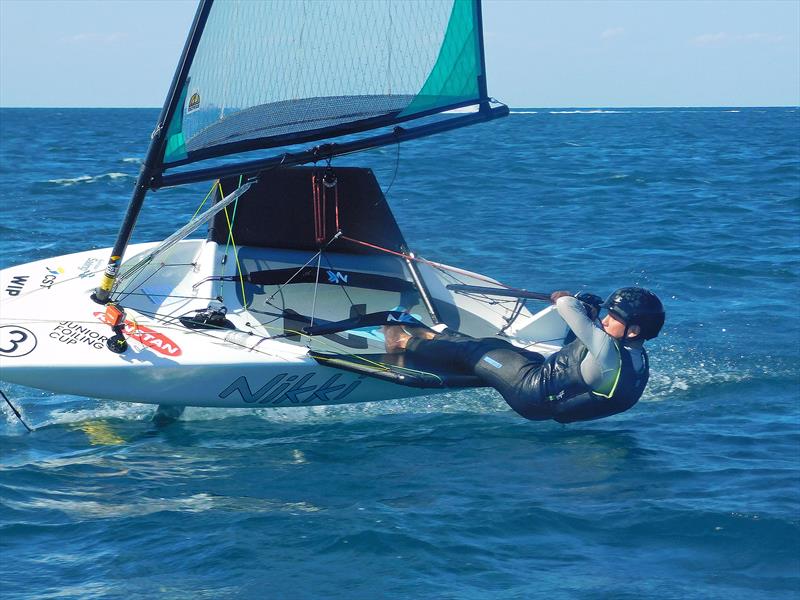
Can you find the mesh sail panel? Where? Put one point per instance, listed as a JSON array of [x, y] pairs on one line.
[[282, 71]]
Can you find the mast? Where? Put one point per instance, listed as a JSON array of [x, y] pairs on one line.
[[151, 164], [482, 85]]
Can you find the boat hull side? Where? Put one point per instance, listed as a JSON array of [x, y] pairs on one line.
[[223, 386]]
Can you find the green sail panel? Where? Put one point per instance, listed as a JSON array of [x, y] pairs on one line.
[[454, 78], [175, 148], [276, 72]]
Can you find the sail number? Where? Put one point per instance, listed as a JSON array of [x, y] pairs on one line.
[[16, 341]]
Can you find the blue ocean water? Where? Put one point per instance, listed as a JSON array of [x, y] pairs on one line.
[[694, 493]]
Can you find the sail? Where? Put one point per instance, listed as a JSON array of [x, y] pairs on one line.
[[276, 72]]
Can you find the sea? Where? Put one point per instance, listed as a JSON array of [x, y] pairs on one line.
[[693, 493]]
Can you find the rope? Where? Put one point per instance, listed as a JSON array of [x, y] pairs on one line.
[[318, 200], [233, 243], [203, 203], [430, 263], [396, 168]]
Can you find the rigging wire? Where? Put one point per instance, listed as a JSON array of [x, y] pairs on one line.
[[316, 285], [16, 412], [396, 169], [230, 239], [236, 256]]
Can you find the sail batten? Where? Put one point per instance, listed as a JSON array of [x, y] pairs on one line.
[[272, 73]]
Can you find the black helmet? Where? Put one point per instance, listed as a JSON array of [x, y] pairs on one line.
[[637, 306]]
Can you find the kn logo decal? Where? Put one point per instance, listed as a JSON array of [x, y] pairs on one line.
[[148, 337]]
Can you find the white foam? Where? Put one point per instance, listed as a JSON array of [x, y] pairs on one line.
[[89, 178], [105, 409], [85, 507]]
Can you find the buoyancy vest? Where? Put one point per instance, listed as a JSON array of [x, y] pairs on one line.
[[572, 399]]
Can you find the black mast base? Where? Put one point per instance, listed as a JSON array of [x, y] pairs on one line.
[[101, 297]]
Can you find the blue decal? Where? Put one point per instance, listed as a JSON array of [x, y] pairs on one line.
[[336, 277]]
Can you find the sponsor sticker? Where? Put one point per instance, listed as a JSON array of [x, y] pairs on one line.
[[112, 266], [51, 276], [147, 337], [16, 284], [89, 267], [16, 341], [194, 102]]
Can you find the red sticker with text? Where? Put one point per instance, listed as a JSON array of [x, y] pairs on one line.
[[149, 337]]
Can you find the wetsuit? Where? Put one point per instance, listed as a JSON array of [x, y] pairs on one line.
[[592, 377]]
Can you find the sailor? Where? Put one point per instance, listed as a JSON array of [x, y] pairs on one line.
[[602, 372]]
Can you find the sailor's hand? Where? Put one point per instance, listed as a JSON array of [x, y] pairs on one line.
[[559, 294], [591, 303]]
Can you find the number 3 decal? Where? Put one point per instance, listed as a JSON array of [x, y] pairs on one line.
[[16, 341]]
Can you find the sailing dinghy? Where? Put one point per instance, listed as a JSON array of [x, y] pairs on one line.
[[282, 303]]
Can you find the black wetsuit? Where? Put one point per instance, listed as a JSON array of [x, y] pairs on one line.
[[539, 388]]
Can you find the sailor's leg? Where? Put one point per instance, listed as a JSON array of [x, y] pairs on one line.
[[511, 371], [166, 414], [517, 378]]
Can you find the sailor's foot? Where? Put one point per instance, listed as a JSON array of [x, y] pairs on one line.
[[397, 337]]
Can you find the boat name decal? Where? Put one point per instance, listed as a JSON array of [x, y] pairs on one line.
[[16, 285], [16, 341], [149, 337], [69, 332], [50, 278], [336, 277], [287, 389]]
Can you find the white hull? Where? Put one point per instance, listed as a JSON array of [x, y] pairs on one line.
[[52, 335]]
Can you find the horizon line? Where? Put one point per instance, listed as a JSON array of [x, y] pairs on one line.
[[575, 106]]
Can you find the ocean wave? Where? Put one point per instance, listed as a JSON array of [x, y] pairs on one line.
[[84, 508], [133, 159], [85, 179], [524, 112]]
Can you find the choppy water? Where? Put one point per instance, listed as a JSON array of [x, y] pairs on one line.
[[695, 493]]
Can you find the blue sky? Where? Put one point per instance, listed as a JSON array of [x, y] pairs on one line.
[[539, 53]]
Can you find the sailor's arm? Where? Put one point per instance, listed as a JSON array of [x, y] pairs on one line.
[[588, 331], [600, 367]]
